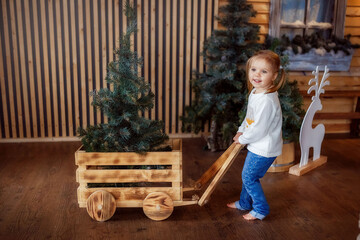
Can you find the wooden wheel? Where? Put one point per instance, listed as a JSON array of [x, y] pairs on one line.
[[158, 206], [101, 205]]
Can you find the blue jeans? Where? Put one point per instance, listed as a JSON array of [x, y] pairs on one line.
[[252, 196]]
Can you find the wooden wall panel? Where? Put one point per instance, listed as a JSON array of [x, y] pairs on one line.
[[352, 26], [54, 54]]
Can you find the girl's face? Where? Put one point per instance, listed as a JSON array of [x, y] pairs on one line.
[[261, 75]]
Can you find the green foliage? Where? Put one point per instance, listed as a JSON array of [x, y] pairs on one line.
[[291, 103], [126, 130], [290, 98], [220, 92]]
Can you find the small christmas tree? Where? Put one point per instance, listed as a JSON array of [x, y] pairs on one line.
[[126, 130], [220, 92]]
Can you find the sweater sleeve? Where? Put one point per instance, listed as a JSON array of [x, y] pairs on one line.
[[242, 126], [260, 127]]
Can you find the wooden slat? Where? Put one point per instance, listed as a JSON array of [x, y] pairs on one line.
[[355, 40], [39, 77], [68, 71], [8, 66], [181, 64], [216, 13], [353, 11], [299, 171], [103, 47], [338, 104], [90, 50], [61, 68], [157, 158], [146, 46], [261, 18], [214, 168], [337, 115], [222, 171], [3, 95], [202, 34], [132, 37], [353, 3], [96, 50], [352, 21], [201, 46], [188, 55], [261, 7], [127, 176], [46, 70], [110, 33], [152, 52], [336, 128], [17, 70], [130, 194], [209, 18], [53, 68], [160, 62], [342, 81], [139, 37], [22, 68], [167, 69], [348, 93], [117, 32], [74, 65], [259, 1], [173, 67], [82, 60], [354, 31], [123, 19], [194, 39], [30, 64]]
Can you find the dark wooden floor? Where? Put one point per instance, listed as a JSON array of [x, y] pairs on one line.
[[38, 199]]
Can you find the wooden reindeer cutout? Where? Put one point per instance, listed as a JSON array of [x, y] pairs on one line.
[[312, 137]]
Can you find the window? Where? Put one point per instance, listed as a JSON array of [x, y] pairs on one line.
[[303, 17]]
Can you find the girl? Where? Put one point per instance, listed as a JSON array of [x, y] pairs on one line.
[[261, 131]]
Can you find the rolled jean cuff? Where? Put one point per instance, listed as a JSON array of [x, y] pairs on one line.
[[257, 215], [237, 205]]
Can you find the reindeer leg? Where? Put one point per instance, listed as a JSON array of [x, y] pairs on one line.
[[319, 136]]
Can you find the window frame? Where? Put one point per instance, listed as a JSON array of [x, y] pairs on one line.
[[337, 24]]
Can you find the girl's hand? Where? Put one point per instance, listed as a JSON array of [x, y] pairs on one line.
[[236, 138]]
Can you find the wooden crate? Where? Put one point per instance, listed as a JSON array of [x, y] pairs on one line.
[[93, 167]]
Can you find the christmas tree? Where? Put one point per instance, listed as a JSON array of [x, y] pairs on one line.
[[220, 92], [126, 130], [290, 98]]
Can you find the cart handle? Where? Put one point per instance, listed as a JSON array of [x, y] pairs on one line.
[[210, 173], [230, 155]]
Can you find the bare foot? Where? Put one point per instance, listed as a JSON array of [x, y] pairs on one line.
[[249, 217], [231, 205]]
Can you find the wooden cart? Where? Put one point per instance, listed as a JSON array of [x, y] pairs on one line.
[[135, 180]]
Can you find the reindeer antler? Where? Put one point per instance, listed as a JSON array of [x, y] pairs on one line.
[[318, 89], [315, 79], [324, 82]]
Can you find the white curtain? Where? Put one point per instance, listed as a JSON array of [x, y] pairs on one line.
[[293, 11]]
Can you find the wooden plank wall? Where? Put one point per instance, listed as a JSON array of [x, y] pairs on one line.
[[55, 52], [342, 81], [352, 26]]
